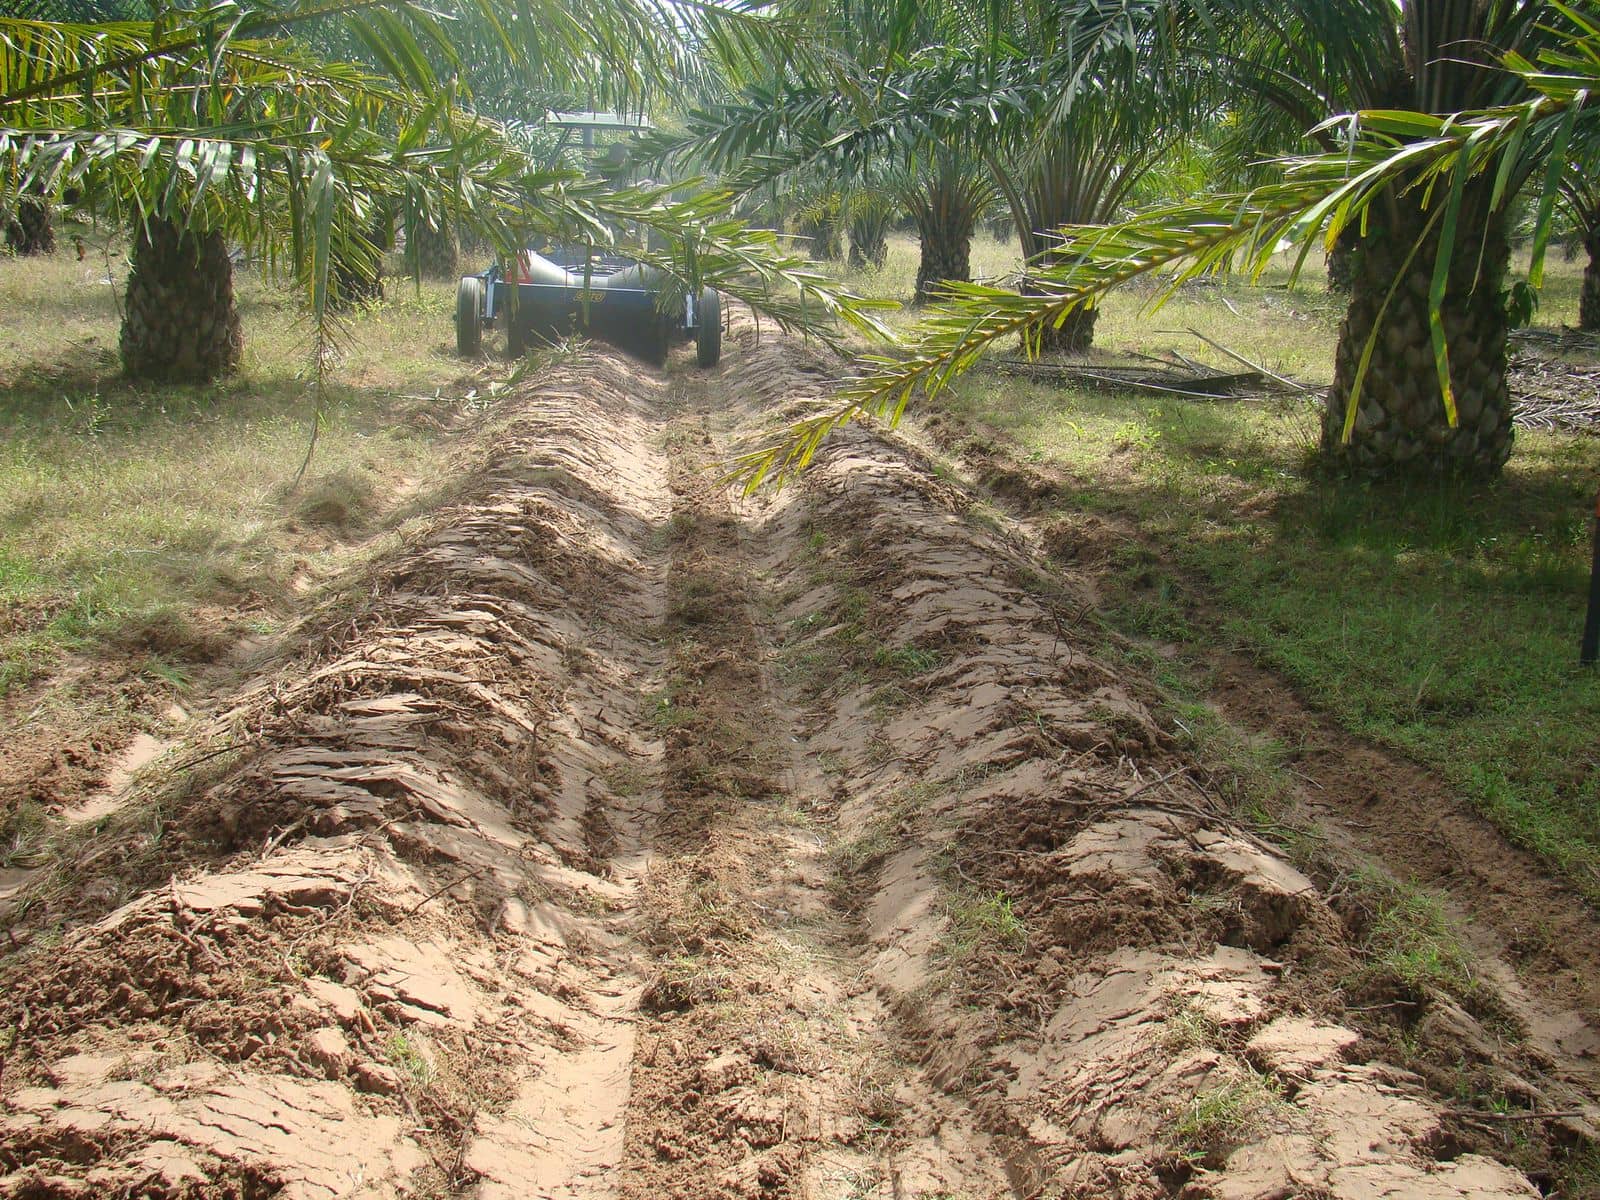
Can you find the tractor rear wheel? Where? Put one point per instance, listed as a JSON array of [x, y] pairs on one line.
[[469, 316], [708, 337]]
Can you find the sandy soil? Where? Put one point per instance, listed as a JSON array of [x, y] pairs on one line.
[[623, 838]]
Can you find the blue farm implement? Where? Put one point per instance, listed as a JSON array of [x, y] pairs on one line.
[[557, 291]]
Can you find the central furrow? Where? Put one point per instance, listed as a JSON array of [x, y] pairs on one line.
[[619, 837]]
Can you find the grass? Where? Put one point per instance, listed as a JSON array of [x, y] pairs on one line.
[[981, 919], [1412, 942], [409, 1059], [127, 509], [993, 261], [905, 660], [1440, 619], [1224, 1115], [1407, 941]]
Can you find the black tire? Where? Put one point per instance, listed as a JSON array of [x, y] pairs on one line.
[[708, 337], [469, 316], [654, 341]]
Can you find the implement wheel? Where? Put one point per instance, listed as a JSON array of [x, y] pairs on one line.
[[469, 316], [656, 340], [708, 338]]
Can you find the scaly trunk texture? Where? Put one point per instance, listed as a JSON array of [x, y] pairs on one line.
[[946, 256], [1342, 260], [179, 323], [1400, 425], [824, 238], [30, 229], [433, 253], [869, 241], [1075, 335], [945, 204], [1064, 186], [1589, 302], [946, 212]]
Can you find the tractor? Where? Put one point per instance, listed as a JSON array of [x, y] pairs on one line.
[[556, 290], [561, 289]]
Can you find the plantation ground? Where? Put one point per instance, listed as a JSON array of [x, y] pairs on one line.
[[571, 827], [1440, 621], [149, 540]]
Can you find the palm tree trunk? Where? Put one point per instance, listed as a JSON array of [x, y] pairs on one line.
[[823, 235], [1075, 335], [946, 254], [179, 323], [356, 276], [1400, 424], [1342, 260], [1589, 301], [945, 215], [433, 253], [356, 284], [30, 229]]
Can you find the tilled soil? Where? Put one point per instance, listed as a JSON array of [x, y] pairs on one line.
[[1532, 933], [630, 839]]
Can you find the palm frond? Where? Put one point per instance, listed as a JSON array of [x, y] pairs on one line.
[[1317, 197]]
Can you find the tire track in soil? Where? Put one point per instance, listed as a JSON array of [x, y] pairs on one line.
[[767, 1064]]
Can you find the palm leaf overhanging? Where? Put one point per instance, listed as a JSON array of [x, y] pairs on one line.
[[224, 118], [1429, 159]]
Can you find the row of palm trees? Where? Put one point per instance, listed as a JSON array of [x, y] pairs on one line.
[[228, 125], [1063, 107]]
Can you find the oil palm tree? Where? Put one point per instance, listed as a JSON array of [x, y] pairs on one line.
[[1109, 102], [1432, 187], [945, 192], [1305, 61], [1420, 381], [30, 228], [1079, 166], [30, 225], [1300, 62], [1580, 194], [870, 109], [217, 127]]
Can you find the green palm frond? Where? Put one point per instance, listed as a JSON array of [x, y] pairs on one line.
[[1318, 195], [214, 119]]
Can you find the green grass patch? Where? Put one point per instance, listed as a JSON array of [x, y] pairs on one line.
[[905, 660], [407, 1057], [1410, 941], [1228, 1114], [124, 507], [981, 920]]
